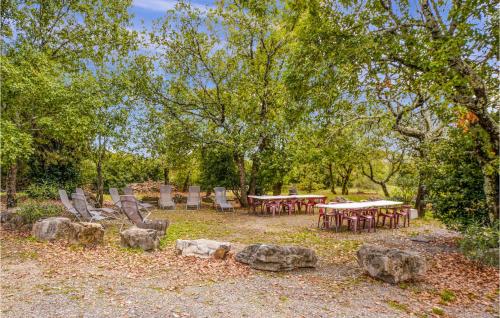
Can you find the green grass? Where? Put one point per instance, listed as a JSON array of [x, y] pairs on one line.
[[191, 230], [438, 311], [398, 306], [447, 296]]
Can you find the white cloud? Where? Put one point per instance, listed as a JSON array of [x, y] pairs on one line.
[[164, 5]]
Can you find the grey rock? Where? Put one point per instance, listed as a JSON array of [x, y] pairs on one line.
[[12, 221], [277, 258], [158, 225], [55, 228], [391, 265], [420, 239], [146, 239], [202, 248], [89, 234]]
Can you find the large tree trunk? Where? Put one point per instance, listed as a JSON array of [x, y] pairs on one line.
[[11, 186], [420, 199], [240, 161], [186, 183], [166, 178], [100, 182], [332, 178], [345, 180], [491, 190], [253, 175], [491, 186], [277, 188], [384, 188], [345, 187]]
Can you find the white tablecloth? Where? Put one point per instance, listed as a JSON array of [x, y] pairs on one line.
[[286, 197], [359, 205]]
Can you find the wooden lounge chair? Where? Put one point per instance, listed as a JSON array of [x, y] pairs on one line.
[[68, 205], [221, 199], [194, 198], [81, 206], [131, 209], [165, 200]]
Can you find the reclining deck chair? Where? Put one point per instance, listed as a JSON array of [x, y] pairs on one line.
[[130, 191], [131, 209], [90, 207], [221, 199], [68, 205], [194, 198], [165, 200], [80, 205]]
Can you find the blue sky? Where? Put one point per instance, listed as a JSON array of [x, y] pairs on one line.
[[148, 10]]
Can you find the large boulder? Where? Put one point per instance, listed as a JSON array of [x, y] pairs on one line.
[[55, 228], [146, 239], [10, 220], [158, 225], [89, 234], [277, 258], [390, 264], [203, 248]]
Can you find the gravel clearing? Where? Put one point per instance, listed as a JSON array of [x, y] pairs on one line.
[[58, 280]]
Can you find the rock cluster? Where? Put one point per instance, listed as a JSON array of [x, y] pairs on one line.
[[146, 239], [277, 258], [391, 265], [203, 248], [60, 228]]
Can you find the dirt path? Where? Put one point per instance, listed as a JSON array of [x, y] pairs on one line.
[[57, 280]]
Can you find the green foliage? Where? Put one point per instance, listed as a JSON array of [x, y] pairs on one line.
[[123, 168], [218, 169], [45, 190], [456, 182], [15, 144], [481, 243], [32, 211]]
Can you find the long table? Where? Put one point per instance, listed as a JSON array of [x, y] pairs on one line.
[[359, 205], [263, 198]]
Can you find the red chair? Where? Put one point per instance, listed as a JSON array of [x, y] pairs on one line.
[[289, 206], [309, 206], [273, 206], [389, 213], [404, 212], [368, 216], [352, 218], [252, 203]]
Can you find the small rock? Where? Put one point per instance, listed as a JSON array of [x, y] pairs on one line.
[[420, 238], [391, 265], [277, 258], [146, 239], [202, 248]]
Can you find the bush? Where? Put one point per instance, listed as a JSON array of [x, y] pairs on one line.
[[455, 182], [481, 243], [43, 190], [32, 211]]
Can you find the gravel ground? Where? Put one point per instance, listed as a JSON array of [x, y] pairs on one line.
[[54, 280]]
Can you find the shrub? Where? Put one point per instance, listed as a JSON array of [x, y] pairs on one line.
[[43, 190], [455, 183], [32, 211], [481, 243]]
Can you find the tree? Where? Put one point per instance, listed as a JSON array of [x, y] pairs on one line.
[[220, 79], [444, 67], [47, 48]]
